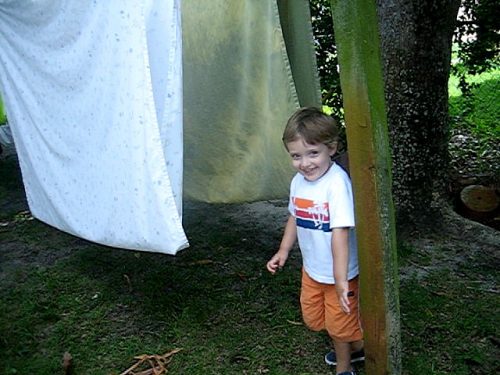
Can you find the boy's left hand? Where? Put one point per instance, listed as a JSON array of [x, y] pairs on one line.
[[342, 288]]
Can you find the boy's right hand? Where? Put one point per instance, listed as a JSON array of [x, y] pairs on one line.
[[277, 262]]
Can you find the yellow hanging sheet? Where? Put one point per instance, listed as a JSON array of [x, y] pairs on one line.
[[239, 90]]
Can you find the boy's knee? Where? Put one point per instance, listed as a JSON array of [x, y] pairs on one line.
[[345, 336], [314, 325]]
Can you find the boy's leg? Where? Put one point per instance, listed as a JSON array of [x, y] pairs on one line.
[[357, 346], [357, 353], [343, 351], [341, 326], [344, 329], [312, 303]]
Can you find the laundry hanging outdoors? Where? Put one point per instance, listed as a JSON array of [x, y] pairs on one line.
[[248, 65], [91, 109], [120, 110]]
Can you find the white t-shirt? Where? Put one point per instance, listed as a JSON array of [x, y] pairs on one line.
[[318, 206]]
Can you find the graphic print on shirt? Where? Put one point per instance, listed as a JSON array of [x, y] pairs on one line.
[[312, 215]]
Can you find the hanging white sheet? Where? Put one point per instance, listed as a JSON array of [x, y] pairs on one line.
[[94, 98]]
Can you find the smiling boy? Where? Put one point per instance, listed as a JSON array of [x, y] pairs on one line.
[[322, 219]]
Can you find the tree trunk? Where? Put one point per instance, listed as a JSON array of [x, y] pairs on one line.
[[416, 38], [356, 31]]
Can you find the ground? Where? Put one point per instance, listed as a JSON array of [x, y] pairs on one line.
[[462, 253]]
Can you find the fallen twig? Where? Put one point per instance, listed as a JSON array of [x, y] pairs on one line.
[[157, 364], [67, 363]]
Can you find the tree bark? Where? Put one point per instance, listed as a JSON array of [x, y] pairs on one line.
[[416, 39], [356, 31]]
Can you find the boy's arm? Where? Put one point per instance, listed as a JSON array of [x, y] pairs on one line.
[[287, 242], [340, 251]]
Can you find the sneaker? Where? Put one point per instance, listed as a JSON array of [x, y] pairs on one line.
[[331, 357]]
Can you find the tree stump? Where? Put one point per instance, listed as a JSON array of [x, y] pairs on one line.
[[479, 202]]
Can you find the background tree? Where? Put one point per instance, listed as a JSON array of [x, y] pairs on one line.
[[416, 40], [477, 37]]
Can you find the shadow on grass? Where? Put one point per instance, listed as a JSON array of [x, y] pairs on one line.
[[214, 300]]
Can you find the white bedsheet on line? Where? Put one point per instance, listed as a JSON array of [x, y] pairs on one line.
[[93, 91]]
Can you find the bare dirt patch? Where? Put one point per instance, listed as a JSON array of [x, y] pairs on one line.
[[459, 241]]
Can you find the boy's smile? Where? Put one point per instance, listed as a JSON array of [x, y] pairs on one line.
[[311, 161]]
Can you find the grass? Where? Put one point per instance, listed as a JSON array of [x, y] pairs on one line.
[[480, 112], [3, 115], [441, 335], [449, 305], [85, 305], [215, 301], [104, 306]]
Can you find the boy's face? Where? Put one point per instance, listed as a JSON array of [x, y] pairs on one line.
[[311, 161]]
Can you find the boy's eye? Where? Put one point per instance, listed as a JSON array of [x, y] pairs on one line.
[[314, 153], [295, 156]]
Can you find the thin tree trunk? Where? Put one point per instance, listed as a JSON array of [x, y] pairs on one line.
[[356, 31]]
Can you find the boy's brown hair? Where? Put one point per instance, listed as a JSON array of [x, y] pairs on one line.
[[313, 126]]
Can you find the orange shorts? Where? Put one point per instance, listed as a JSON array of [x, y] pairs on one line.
[[321, 309]]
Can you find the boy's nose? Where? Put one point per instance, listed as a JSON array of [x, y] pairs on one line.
[[304, 162]]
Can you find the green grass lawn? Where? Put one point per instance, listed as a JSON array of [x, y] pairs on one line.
[[480, 113], [216, 302]]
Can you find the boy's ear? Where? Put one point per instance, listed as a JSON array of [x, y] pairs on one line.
[[333, 148]]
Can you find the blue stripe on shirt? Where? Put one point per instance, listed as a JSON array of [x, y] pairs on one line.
[[309, 224]]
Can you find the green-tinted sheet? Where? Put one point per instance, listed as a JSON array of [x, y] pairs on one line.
[[239, 91]]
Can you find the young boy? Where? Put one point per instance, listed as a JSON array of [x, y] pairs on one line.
[[322, 218]]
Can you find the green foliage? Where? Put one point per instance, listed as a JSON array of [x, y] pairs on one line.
[[326, 56], [478, 37]]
